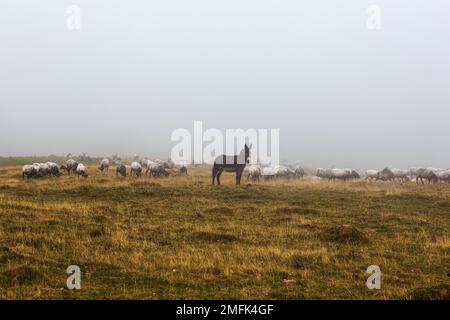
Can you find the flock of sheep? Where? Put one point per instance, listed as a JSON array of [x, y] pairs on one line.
[[155, 168], [159, 168], [417, 174], [255, 172], [40, 170]]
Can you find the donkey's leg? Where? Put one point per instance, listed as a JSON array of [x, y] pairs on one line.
[[239, 176], [218, 176], [214, 173]]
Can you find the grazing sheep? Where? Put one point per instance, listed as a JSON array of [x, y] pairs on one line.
[[268, 173], [385, 175], [169, 164], [53, 169], [342, 174], [401, 174], [283, 172], [136, 169], [121, 169], [82, 170], [28, 171], [36, 168], [71, 166], [299, 172], [104, 165], [159, 170], [354, 174], [42, 169], [148, 165], [426, 173], [371, 174], [443, 176], [142, 162], [253, 172], [323, 173]]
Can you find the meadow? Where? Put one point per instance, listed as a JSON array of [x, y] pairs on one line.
[[181, 238]]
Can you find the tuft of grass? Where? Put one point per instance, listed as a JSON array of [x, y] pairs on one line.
[[96, 233], [20, 276], [344, 234], [297, 210], [439, 292], [7, 255], [214, 237]]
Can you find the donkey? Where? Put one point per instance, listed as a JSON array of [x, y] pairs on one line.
[[234, 163]]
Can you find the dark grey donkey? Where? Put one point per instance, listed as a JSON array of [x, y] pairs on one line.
[[234, 163]]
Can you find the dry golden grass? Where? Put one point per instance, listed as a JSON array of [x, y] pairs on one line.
[[180, 237]]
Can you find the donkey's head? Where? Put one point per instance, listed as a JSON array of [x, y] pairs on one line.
[[247, 153]]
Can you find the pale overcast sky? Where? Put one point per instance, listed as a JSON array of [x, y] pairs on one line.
[[340, 94]]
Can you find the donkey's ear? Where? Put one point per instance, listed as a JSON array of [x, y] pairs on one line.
[[250, 146]]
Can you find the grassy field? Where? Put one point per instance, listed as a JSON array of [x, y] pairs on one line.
[[179, 237]]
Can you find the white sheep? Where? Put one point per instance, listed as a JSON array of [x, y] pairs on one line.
[[371, 174], [104, 165], [71, 166], [28, 171], [136, 169], [53, 169], [82, 170], [400, 174], [253, 172]]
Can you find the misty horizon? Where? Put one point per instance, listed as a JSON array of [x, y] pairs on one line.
[[340, 94]]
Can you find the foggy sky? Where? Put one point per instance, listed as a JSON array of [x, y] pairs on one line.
[[340, 94]]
